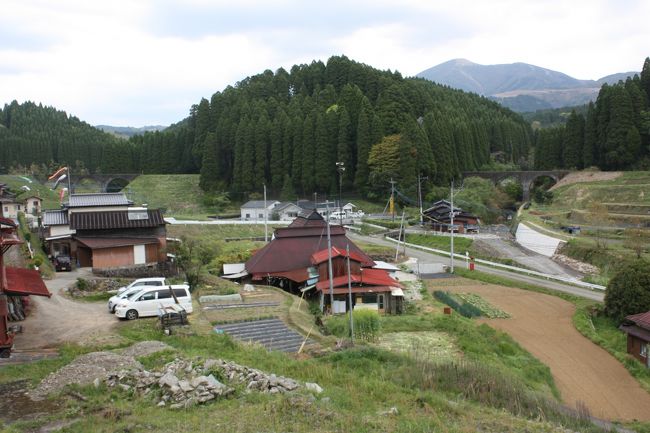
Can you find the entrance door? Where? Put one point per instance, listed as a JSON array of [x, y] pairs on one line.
[[139, 255]]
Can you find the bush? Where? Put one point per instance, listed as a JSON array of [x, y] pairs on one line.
[[82, 284], [628, 291]]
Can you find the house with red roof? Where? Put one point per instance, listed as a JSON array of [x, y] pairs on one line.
[[637, 328], [297, 261]]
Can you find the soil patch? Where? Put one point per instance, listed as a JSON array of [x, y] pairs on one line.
[[583, 371], [586, 176]]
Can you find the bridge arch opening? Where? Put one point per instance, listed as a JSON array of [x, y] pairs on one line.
[[116, 185], [540, 188]]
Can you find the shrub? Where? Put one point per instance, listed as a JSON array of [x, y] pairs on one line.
[[628, 291], [82, 284]]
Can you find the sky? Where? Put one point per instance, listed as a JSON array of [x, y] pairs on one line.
[[145, 62]]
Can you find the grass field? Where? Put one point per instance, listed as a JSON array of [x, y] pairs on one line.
[[50, 198]]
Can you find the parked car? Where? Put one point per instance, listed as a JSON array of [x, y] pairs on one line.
[[62, 263], [114, 300], [154, 281], [149, 300]]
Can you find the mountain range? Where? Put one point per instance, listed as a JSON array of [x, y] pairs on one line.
[[129, 131], [519, 86]]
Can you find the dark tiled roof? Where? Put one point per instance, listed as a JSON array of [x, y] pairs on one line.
[[114, 220], [99, 199], [99, 243], [55, 218], [257, 204]]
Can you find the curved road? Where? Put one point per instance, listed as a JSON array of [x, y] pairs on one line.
[[427, 257]]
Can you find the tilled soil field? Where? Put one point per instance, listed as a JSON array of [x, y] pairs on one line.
[[583, 371]]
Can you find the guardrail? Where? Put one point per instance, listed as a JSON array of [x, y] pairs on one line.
[[571, 281]]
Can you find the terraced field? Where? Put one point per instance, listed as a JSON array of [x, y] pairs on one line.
[[273, 334]]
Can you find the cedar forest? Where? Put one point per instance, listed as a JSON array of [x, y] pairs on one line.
[[288, 129]]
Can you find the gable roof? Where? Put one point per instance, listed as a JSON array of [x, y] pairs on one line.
[[114, 220], [258, 204], [98, 199], [283, 205], [322, 255]]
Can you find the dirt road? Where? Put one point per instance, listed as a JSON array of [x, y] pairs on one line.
[[582, 370], [58, 319]]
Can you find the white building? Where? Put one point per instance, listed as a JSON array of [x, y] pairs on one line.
[[254, 210]]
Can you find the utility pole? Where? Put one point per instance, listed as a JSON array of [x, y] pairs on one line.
[[340, 167], [266, 232], [347, 250], [399, 236], [392, 197], [451, 216], [420, 179], [329, 256]]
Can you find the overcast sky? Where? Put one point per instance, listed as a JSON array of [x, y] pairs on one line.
[[145, 62]]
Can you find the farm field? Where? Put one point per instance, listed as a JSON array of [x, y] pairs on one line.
[[584, 373]]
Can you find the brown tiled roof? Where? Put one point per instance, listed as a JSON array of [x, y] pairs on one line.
[[641, 319], [114, 220], [25, 282]]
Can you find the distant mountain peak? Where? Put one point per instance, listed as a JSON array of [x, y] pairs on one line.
[[520, 86]]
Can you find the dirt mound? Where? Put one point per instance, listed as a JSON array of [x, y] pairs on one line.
[[586, 176], [83, 371], [145, 348]]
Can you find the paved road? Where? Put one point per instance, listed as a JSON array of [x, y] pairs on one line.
[[426, 257]]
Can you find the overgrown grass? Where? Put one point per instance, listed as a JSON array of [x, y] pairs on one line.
[[440, 242], [16, 183], [602, 330], [40, 259]]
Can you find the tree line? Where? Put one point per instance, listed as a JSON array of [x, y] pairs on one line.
[[287, 130], [614, 134]]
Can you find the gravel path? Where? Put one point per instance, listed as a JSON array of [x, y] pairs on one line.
[[59, 319], [582, 370]]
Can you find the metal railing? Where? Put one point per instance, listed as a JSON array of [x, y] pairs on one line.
[[572, 281]]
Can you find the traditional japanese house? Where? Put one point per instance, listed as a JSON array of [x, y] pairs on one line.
[[297, 260], [105, 231], [637, 328], [439, 218]]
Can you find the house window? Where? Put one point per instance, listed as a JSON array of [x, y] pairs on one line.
[[18, 207], [644, 350], [261, 215], [293, 214], [6, 208], [248, 215]]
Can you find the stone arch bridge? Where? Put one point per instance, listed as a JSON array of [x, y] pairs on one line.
[[526, 178], [104, 180]]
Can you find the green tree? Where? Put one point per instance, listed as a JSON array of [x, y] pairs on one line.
[[288, 192], [628, 292], [209, 177]]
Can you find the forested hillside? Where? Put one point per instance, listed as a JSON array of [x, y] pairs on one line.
[[614, 134], [287, 130]]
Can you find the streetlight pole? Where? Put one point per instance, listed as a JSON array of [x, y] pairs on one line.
[[329, 256], [347, 249], [420, 179], [340, 167]]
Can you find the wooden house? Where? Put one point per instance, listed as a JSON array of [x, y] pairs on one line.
[[439, 218], [637, 328], [105, 231], [297, 260]]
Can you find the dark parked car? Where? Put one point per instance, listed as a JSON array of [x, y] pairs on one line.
[[63, 263]]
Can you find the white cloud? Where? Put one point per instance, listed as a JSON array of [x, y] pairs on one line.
[[113, 62]]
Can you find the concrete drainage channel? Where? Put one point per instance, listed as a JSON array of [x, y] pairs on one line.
[[273, 334]]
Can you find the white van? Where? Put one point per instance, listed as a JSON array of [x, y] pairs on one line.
[[154, 281], [148, 301]]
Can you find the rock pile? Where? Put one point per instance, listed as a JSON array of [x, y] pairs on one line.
[[183, 383]]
